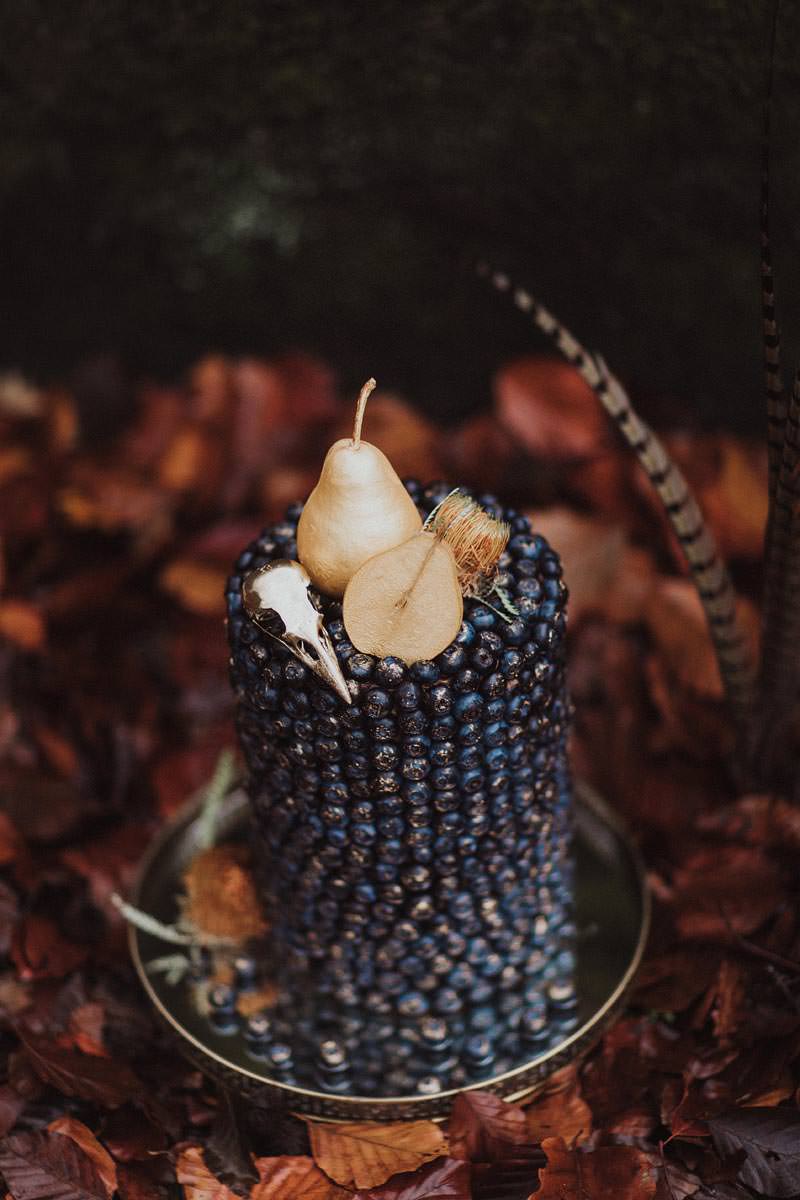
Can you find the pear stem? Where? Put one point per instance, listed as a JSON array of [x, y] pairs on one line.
[[363, 397]]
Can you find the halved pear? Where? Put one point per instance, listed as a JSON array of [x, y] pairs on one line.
[[405, 602]]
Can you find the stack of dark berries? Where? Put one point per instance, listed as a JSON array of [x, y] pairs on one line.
[[414, 847]]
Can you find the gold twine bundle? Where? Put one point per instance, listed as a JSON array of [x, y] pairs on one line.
[[476, 538]]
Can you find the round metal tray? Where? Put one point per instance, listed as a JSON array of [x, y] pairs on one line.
[[612, 910]]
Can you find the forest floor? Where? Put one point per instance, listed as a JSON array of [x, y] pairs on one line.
[[115, 707]]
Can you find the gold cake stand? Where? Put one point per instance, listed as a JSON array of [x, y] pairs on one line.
[[612, 910]]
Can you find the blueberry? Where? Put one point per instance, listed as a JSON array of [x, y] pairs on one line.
[[443, 754], [483, 659], [440, 700], [466, 681], [494, 685], [390, 672], [382, 731], [409, 696], [470, 734], [411, 722], [447, 1001], [530, 588], [452, 659], [385, 755], [360, 666], [376, 703], [482, 617], [280, 1057], [442, 729], [417, 793], [478, 1051], [221, 998], [466, 634], [515, 632], [425, 671], [524, 546], [415, 768], [416, 745], [444, 778], [468, 707], [469, 758]]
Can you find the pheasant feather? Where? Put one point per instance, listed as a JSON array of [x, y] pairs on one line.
[[707, 569]]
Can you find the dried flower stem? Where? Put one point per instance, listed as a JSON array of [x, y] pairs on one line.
[[213, 795], [167, 933]]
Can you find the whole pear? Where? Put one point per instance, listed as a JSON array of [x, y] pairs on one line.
[[358, 509]]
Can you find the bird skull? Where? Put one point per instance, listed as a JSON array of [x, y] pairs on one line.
[[276, 597]]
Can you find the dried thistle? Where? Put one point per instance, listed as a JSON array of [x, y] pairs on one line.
[[476, 538]]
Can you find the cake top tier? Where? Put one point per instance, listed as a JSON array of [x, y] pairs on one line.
[[518, 626]]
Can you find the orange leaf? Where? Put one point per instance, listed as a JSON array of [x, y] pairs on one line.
[[290, 1177], [83, 1137], [484, 1128], [40, 951], [198, 586], [560, 1111], [366, 1155], [22, 624], [198, 1182], [618, 1171]]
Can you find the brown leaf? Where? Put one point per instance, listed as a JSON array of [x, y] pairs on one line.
[[197, 1181], [9, 915], [444, 1179], [22, 624], [676, 621], [40, 951], [670, 982], [730, 1000], [725, 890], [620, 1172], [101, 1080], [110, 499], [83, 1137], [137, 1181], [736, 506], [603, 572], [48, 1166], [109, 862], [549, 409], [484, 1128], [285, 1178], [11, 1105], [559, 1110], [366, 1155], [198, 586], [86, 1025], [131, 1136]]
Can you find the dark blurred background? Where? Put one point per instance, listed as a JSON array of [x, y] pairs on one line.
[[182, 176]]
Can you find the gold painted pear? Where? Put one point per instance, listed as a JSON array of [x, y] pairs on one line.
[[358, 509], [405, 602]]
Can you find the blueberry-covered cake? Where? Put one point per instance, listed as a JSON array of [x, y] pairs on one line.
[[411, 819]]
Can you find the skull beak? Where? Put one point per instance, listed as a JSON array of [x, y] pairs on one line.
[[324, 663], [327, 667]]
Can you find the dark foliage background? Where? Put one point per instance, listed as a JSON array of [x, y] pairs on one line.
[[182, 175]]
